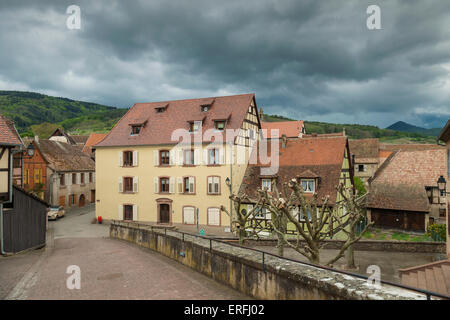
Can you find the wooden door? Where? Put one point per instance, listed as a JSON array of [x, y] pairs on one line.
[[82, 201], [92, 196], [164, 213], [189, 215]]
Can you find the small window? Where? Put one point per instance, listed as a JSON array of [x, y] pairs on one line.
[[266, 184], [160, 110], [220, 125], [205, 108], [308, 185], [442, 213], [62, 180], [91, 176], [82, 178], [195, 126], [135, 130], [188, 158], [302, 214], [213, 156], [213, 185], [128, 184], [164, 185], [164, 157], [188, 185], [74, 178], [361, 168], [128, 159]]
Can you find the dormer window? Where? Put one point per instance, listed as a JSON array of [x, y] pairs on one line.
[[135, 130], [219, 125], [160, 110], [195, 126], [308, 185], [205, 108]]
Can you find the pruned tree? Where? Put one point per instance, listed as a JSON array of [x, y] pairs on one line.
[[240, 219], [321, 222]]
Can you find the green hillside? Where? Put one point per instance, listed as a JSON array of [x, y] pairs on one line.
[[29, 108], [357, 131]]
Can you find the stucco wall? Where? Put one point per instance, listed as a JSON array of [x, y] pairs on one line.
[[242, 269]]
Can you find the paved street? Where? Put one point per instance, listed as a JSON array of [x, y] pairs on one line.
[[110, 269]]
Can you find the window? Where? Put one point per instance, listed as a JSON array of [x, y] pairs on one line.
[[38, 175], [189, 215], [164, 185], [308, 185], [361, 168], [74, 178], [188, 158], [127, 158], [302, 215], [267, 184], [91, 177], [219, 125], [213, 156], [135, 130], [164, 157], [128, 184], [205, 108], [214, 185], [260, 214], [160, 110], [214, 216], [62, 180], [72, 200], [82, 178], [189, 185], [127, 212], [195, 126]]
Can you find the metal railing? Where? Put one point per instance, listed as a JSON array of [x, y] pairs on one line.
[[152, 228]]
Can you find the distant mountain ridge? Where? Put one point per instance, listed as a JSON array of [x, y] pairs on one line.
[[406, 127]]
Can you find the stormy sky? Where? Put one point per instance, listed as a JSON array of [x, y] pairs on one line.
[[311, 60]]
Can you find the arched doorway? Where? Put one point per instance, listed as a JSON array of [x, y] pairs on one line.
[[82, 201]]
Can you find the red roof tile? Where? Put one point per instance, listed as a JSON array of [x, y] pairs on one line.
[[8, 132], [292, 129], [160, 126], [93, 139]]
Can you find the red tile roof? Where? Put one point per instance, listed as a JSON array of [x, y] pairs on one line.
[[159, 127], [409, 147], [8, 132], [399, 184], [433, 277], [292, 129], [320, 157], [93, 139]]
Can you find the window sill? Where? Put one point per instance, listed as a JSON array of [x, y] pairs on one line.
[[214, 194], [213, 165], [189, 165], [189, 193], [165, 165], [128, 192]]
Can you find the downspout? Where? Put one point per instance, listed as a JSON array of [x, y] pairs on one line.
[[1, 229], [231, 187]]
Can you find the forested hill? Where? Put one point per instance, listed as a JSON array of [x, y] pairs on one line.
[[29, 108]]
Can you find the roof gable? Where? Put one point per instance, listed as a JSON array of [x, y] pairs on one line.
[[8, 133], [292, 129]]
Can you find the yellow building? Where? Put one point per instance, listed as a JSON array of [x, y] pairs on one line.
[[176, 162]]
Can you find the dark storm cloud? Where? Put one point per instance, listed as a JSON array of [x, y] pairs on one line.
[[312, 60]]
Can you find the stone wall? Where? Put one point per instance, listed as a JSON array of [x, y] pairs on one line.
[[243, 269], [373, 245]]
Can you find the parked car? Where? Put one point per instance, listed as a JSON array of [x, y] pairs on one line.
[[55, 213]]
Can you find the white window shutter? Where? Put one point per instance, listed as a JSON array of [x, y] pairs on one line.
[[93, 177], [221, 155], [120, 212], [135, 212], [135, 184], [135, 158], [68, 179], [172, 157], [180, 157], [156, 157], [120, 159], [171, 184], [120, 184], [205, 156], [197, 154], [78, 178], [180, 184], [191, 184], [156, 184]]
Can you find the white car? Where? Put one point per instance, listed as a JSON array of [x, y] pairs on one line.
[[55, 213]]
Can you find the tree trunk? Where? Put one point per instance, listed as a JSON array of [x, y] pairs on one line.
[[350, 252]]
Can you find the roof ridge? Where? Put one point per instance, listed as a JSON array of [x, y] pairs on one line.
[[179, 100]]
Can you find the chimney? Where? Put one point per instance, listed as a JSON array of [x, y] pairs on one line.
[[283, 141], [36, 138], [261, 114]]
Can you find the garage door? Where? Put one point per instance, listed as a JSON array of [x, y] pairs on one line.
[[189, 215]]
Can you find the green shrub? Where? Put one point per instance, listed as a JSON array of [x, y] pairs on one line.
[[437, 232]]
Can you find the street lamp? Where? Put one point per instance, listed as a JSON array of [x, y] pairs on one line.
[[442, 185], [227, 181]]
